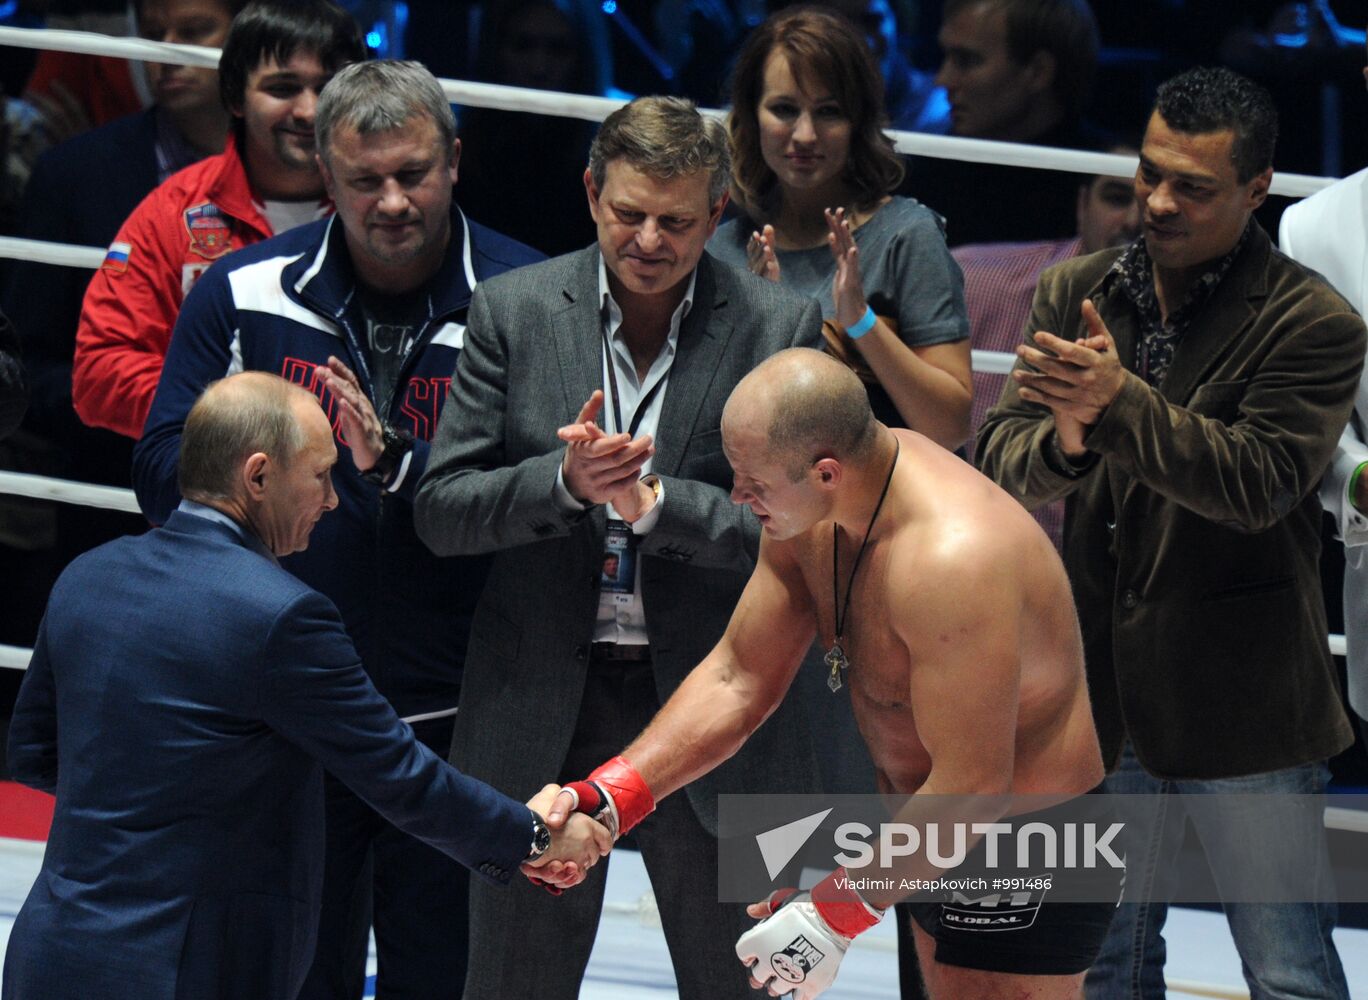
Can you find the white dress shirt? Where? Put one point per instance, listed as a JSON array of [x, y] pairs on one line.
[[621, 617]]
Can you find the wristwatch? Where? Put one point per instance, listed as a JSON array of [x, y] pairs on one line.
[[397, 444], [541, 837]]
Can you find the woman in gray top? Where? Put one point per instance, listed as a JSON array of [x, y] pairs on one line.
[[811, 173]]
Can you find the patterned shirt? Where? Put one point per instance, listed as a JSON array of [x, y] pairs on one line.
[[999, 285], [1159, 339]]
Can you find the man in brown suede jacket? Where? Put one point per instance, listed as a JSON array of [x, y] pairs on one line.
[[1187, 408]]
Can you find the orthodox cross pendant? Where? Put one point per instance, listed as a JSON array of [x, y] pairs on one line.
[[836, 660]]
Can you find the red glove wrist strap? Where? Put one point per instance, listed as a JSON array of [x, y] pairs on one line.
[[631, 796], [844, 910]]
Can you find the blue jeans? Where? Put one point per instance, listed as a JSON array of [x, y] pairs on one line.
[[1286, 949]]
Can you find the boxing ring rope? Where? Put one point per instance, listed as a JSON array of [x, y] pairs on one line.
[[44, 252], [489, 95]]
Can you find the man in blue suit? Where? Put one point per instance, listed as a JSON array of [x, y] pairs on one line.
[[184, 697]]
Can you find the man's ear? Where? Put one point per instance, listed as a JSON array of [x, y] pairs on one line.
[[592, 192], [255, 472], [715, 214], [827, 473], [1258, 188], [327, 176], [454, 161]]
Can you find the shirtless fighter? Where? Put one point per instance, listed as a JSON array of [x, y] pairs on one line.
[[949, 614]]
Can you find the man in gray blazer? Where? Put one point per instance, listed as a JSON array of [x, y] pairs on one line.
[[585, 423]]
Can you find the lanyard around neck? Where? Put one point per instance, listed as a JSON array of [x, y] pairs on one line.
[[643, 404]]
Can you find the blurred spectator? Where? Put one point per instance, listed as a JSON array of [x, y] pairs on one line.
[[913, 100], [523, 174], [23, 137], [1014, 71], [698, 38], [278, 56], [80, 193], [192, 114], [71, 93], [74, 92], [1000, 283]]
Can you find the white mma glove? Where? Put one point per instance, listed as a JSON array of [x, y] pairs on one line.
[[798, 948]]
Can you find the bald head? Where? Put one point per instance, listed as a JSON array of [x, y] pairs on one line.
[[235, 418], [808, 406]]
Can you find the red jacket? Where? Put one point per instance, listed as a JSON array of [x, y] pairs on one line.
[[197, 216]]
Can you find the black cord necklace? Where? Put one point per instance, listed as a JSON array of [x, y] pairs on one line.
[[836, 658]]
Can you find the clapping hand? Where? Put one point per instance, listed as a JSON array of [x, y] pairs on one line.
[[361, 427], [605, 468], [760, 256], [847, 288], [1076, 379]]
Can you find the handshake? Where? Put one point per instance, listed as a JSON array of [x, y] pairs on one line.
[[798, 945], [585, 819]]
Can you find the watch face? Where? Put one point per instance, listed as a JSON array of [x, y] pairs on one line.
[[541, 836]]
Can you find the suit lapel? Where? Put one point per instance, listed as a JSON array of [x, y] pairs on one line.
[[1218, 325], [1220, 322], [1119, 314], [703, 338], [578, 334]]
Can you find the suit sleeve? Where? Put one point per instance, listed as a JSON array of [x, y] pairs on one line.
[[202, 350], [406, 487], [1246, 474], [316, 694], [32, 752], [1015, 437], [126, 321], [698, 522], [469, 501]]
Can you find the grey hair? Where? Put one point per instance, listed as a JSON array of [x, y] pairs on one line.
[[378, 96], [235, 418], [663, 137]]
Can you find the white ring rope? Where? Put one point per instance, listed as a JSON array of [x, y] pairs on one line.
[[488, 95], [93, 43], [45, 252], [23, 484]]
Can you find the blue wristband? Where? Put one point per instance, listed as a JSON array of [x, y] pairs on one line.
[[863, 325]]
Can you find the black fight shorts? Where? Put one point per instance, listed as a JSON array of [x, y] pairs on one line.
[[1022, 930]]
